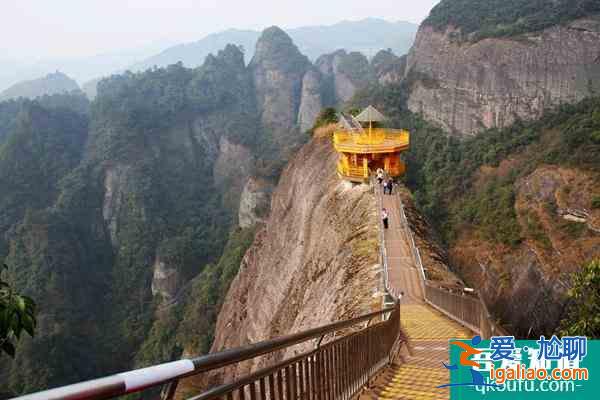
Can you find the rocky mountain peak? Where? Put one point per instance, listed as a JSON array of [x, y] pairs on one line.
[[275, 49], [232, 56]]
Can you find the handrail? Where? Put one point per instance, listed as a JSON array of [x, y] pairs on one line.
[[383, 252], [141, 379], [467, 310]]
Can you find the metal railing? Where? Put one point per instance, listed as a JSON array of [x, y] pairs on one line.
[[394, 292], [374, 140], [466, 308], [334, 370]]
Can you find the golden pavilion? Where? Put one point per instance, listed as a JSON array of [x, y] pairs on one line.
[[364, 146]]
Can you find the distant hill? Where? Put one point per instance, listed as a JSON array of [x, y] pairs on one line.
[[82, 69], [366, 36], [54, 83]]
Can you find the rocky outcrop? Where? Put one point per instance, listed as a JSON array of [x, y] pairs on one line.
[[254, 202], [278, 69], [388, 68], [311, 102], [165, 280], [233, 165], [313, 263], [115, 182], [468, 87], [345, 73]]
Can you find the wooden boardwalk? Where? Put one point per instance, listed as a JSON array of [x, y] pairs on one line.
[[428, 331]]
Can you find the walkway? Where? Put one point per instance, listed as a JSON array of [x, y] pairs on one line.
[[428, 331]]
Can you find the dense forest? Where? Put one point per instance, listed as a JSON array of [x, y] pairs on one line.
[[96, 198], [499, 18]]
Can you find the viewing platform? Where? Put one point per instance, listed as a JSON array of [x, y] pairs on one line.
[[364, 146]]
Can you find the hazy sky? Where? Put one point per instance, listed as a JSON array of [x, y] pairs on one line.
[[72, 28]]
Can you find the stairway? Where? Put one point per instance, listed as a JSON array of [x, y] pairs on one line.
[[418, 373]]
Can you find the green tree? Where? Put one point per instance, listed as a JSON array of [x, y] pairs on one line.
[[17, 314], [583, 317]]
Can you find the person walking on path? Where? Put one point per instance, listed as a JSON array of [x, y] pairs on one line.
[[389, 185], [385, 218], [379, 175]]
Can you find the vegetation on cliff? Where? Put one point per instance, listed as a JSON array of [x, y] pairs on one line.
[[17, 314], [500, 18], [84, 220], [189, 325]]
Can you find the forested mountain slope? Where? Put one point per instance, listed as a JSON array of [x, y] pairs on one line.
[[112, 215]]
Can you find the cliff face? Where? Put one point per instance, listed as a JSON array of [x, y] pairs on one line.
[[468, 87], [311, 101], [313, 262], [559, 227]]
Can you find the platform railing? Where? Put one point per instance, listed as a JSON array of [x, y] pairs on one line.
[[337, 369]]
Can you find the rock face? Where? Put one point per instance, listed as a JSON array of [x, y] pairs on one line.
[[233, 165], [345, 73], [311, 102], [388, 68], [537, 271], [278, 70], [468, 87], [254, 202], [314, 261], [165, 280], [50, 84], [115, 182]]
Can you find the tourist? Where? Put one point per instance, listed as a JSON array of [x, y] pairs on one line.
[[389, 186], [379, 175], [384, 216]]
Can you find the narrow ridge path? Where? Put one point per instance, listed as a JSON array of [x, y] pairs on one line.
[[428, 331]]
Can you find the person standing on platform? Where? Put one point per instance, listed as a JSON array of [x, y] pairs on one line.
[[385, 218]]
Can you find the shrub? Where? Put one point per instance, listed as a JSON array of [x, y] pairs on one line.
[[583, 315]]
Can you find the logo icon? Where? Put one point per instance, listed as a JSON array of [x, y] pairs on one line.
[[468, 351]]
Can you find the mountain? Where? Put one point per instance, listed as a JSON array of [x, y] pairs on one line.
[[134, 199], [366, 36], [55, 83], [505, 150], [517, 208], [469, 73]]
